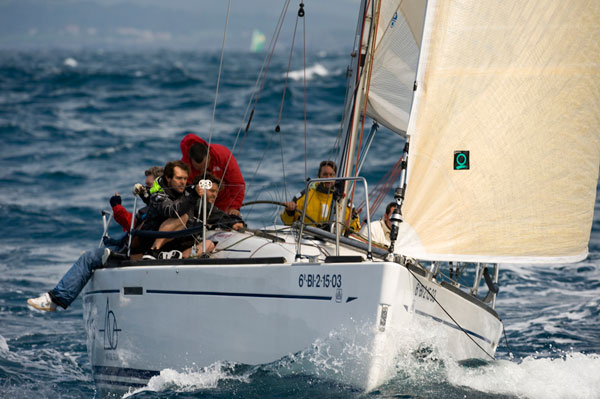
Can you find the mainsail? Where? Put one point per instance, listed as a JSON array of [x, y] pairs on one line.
[[505, 132], [395, 62]]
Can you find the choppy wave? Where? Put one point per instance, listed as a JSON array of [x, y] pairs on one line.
[[310, 73], [192, 380], [571, 375], [419, 370], [73, 133]]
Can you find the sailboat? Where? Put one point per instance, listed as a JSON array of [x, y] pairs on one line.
[[498, 102]]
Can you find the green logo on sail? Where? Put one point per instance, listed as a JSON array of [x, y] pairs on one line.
[[461, 160]]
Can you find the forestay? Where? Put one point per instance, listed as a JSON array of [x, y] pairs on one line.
[[517, 85], [395, 62]]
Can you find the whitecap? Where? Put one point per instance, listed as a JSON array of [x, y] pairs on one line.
[[71, 62], [574, 375], [311, 72], [3, 344]]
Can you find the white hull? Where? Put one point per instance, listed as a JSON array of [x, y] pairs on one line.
[[143, 319]]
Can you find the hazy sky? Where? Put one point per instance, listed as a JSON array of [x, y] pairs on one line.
[[330, 24]]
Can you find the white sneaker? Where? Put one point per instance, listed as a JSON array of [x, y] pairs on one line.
[[151, 254], [105, 256], [43, 302], [174, 254]]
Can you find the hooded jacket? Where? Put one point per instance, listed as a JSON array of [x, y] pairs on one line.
[[231, 194], [166, 203], [319, 200]]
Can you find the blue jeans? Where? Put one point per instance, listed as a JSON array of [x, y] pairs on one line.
[[78, 275]]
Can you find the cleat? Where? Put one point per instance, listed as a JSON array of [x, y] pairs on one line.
[[43, 302]]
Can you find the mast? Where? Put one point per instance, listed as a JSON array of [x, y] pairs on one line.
[[355, 104]]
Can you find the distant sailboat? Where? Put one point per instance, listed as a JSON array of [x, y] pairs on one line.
[[257, 42], [499, 101]]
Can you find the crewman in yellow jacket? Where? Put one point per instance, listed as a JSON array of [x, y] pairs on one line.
[[319, 201]]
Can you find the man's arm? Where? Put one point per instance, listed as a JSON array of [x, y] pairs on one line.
[[219, 218], [223, 165], [292, 210], [120, 214], [236, 185], [169, 208]]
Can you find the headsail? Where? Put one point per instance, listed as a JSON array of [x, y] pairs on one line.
[[517, 86]]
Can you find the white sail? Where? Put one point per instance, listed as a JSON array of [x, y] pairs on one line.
[[395, 62], [517, 85]]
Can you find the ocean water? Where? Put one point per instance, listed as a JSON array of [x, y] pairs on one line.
[[77, 126]]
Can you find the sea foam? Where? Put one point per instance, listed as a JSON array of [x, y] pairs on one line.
[[311, 72], [575, 375], [191, 380]]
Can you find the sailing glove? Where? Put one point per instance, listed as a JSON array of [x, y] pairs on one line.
[[115, 200]]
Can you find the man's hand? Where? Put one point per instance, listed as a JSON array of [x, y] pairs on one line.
[[235, 212], [115, 200], [210, 246], [199, 190], [138, 189], [238, 226], [290, 206]]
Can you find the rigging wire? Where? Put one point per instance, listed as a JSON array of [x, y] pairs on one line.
[[258, 166], [359, 67], [256, 91], [262, 74], [341, 143], [285, 85], [271, 51], [282, 165], [448, 314], [287, 73], [210, 130], [212, 121], [365, 150], [382, 187], [506, 341], [366, 101], [305, 91], [337, 151], [258, 87]]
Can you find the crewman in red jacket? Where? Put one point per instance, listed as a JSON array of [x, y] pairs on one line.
[[222, 164]]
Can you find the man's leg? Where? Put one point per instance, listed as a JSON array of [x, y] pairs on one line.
[[172, 224], [77, 277], [210, 246]]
